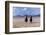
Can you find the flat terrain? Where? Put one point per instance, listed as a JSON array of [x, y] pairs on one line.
[[20, 22]]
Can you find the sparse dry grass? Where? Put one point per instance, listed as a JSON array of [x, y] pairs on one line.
[[19, 22]]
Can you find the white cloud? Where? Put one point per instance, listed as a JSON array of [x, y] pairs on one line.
[[25, 9]]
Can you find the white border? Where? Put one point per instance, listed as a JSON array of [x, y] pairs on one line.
[[11, 29]]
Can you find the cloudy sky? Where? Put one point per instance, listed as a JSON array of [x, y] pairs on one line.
[[25, 11]]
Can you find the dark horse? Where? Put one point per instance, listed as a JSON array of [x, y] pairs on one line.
[[26, 19]]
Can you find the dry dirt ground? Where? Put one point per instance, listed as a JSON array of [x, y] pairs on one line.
[[20, 22]]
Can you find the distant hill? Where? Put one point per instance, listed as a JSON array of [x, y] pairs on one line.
[[28, 16]]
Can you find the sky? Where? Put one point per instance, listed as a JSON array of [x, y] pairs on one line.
[[22, 11]]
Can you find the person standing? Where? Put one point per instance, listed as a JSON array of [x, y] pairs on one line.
[[31, 19], [26, 19]]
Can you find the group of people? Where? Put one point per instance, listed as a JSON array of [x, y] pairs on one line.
[[26, 19]]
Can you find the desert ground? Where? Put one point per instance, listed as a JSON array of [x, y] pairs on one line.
[[19, 22]]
